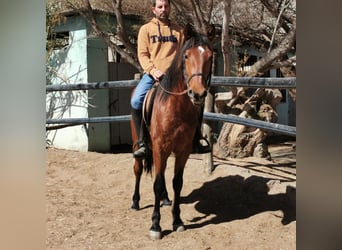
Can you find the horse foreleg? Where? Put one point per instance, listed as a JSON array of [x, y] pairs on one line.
[[138, 169], [177, 183], [159, 192]]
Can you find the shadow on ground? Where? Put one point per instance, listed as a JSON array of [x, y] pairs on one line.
[[234, 197]]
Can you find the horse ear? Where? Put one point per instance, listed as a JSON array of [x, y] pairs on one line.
[[188, 31], [211, 31]]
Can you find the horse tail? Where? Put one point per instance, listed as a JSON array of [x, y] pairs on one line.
[[147, 113], [148, 162]]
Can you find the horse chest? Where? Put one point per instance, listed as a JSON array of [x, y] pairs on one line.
[[177, 114], [172, 124]]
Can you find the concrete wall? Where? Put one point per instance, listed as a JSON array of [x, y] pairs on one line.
[[69, 66], [85, 59]]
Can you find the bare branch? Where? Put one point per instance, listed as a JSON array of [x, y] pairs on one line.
[[289, 62], [283, 48], [275, 12], [284, 6], [116, 4]]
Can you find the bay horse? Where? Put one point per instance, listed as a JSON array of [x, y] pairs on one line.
[[178, 102]]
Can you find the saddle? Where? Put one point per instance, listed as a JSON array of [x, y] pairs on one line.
[[148, 105]]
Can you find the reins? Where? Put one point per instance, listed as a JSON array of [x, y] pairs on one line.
[[206, 80], [169, 92]]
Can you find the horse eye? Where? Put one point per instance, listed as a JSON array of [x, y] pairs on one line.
[[185, 56]]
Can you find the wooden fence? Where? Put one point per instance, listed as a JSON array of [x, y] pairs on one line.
[[253, 82]]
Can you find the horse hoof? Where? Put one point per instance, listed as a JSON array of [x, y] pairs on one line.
[[166, 202], [135, 207], [154, 235], [179, 228]]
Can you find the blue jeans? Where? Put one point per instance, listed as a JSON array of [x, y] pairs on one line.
[[140, 91]]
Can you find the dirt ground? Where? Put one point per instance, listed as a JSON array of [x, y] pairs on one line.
[[245, 204]]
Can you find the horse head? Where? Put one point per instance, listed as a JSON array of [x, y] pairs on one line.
[[197, 63], [190, 71]]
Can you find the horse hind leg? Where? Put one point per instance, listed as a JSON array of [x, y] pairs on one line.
[[165, 201], [148, 168], [140, 166], [138, 169]]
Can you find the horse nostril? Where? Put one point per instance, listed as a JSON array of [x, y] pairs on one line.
[[196, 96]]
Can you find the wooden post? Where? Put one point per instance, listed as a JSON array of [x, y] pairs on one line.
[[137, 76], [207, 129], [207, 133]]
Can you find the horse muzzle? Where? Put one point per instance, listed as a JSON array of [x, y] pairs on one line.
[[197, 98]]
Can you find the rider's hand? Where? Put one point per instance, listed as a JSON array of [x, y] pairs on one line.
[[157, 74]]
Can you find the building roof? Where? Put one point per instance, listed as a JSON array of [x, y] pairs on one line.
[[129, 7]]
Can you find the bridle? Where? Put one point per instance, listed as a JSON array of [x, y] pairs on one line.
[[188, 90], [187, 84], [191, 93], [207, 81]]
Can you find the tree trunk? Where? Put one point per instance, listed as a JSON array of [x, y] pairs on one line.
[[238, 141], [225, 39]]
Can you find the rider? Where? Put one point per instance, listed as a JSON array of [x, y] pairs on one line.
[[158, 42]]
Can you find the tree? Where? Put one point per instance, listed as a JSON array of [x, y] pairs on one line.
[[238, 140], [225, 40], [264, 24]]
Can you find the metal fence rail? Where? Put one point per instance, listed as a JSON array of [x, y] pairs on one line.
[[269, 126], [255, 82]]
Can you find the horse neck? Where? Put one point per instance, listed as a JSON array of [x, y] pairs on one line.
[[181, 99], [181, 84]]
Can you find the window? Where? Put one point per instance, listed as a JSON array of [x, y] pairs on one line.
[[59, 40]]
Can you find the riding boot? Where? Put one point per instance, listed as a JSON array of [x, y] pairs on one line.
[[137, 121], [198, 147]]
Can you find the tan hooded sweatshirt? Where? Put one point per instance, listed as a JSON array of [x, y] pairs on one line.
[[157, 45]]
